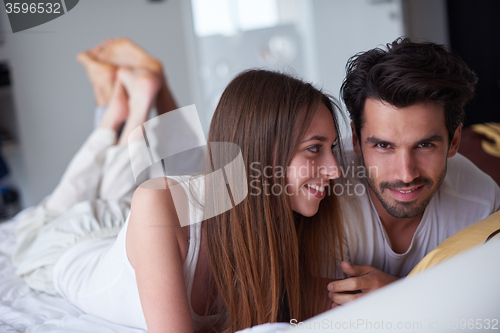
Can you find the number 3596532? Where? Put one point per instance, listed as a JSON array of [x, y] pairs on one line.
[[471, 324], [33, 8]]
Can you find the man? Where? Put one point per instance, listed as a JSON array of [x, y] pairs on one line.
[[406, 106]]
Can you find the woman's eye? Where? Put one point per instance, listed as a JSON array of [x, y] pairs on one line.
[[314, 149], [335, 144]]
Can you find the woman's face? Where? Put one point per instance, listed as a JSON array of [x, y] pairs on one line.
[[313, 165]]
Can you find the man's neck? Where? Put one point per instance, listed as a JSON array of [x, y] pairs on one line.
[[399, 230]]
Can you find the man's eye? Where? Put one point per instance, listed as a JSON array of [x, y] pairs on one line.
[[382, 145], [425, 145], [314, 149]]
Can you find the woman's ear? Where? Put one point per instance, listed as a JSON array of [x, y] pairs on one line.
[[355, 141], [455, 143]]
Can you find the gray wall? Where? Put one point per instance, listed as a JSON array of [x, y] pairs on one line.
[[344, 28], [53, 98], [426, 20]]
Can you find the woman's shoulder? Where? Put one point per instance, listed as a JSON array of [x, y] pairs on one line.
[[153, 212]]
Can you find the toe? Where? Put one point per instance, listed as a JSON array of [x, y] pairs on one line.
[[85, 58]]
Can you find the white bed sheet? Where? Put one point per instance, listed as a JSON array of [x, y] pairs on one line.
[[25, 310]]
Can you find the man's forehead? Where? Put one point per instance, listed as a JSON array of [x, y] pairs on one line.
[[415, 122]]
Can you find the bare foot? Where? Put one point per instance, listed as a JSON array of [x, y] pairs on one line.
[[124, 53], [142, 87], [101, 75]]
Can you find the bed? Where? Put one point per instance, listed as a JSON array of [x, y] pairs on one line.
[[461, 292]]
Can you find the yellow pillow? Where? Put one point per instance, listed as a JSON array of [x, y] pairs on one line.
[[473, 235]]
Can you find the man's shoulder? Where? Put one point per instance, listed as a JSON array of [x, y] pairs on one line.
[[464, 179], [466, 195]]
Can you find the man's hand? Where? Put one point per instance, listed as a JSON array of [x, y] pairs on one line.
[[364, 279]]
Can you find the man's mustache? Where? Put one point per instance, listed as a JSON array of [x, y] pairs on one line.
[[401, 184]]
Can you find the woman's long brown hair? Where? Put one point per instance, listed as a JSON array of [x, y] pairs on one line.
[[266, 260]]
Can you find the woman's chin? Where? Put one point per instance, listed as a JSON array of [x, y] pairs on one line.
[[307, 211]]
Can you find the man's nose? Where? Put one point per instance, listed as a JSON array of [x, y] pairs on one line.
[[406, 168]]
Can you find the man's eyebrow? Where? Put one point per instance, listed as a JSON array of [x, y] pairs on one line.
[[432, 138], [374, 139]]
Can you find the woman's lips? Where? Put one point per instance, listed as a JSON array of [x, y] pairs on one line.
[[315, 190]]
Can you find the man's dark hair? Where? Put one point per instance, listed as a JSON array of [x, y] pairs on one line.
[[405, 74]]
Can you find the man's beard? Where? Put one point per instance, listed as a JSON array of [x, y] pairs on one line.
[[406, 209]]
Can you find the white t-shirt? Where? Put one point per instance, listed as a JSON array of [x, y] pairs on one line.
[[466, 195]]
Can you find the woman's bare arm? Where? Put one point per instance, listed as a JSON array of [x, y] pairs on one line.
[[156, 247]]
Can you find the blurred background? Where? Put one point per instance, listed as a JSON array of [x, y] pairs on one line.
[[47, 103]]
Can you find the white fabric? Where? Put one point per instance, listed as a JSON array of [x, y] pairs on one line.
[[98, 278], [85, 220], [466, 195], [98, 113], [458, 295], [267, 328], [96, 190], [23, 309]]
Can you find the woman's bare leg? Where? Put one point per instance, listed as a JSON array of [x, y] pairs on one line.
[[117, 111], [142, 87], [118, 180]]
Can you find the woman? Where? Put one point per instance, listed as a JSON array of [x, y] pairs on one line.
[[259, 262]]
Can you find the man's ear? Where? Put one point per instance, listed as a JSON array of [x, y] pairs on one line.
[[455, 143], [355, 141]]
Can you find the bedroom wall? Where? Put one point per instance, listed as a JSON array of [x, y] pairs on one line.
[[53, 98], [344, 28], [427, 20], [339, 36], [54, 101]]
